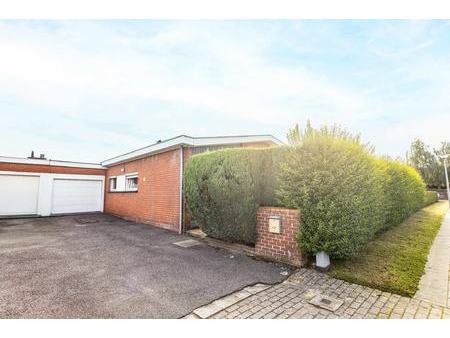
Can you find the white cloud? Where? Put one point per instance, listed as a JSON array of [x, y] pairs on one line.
[[90, 78], [60, 76]]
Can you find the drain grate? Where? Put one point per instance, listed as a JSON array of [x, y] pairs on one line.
[[187, 244], [86, 220], [327, 303]]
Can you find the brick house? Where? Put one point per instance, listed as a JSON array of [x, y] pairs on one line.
[[145, 185]]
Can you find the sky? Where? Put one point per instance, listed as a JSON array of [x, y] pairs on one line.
[[90, 90]]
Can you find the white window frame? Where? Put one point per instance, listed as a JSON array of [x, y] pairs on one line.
[[130, 176], [110, 185]]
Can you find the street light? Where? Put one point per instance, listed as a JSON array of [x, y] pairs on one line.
[[445, 157]]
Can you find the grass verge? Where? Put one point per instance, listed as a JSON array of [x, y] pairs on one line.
[[395, 260]]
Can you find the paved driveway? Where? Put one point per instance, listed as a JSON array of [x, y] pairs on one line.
[[104, 267]]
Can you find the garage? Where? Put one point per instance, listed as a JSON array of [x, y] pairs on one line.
[[41, 187], [18, 195], [72, 196]]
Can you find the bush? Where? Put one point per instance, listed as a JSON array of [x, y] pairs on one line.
[[224, 189], [404, 191], [337, 185], [430, 198], [344, 193]]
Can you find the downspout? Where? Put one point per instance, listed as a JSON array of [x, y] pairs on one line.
[[180, 230]]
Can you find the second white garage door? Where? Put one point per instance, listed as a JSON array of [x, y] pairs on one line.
[[71, 196]]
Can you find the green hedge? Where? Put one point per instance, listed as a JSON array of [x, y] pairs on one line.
[[337, 187], [223, 190], [345, 194], [404, 191], [430, 198]]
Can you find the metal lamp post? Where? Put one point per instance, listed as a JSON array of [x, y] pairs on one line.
[[445, 157]]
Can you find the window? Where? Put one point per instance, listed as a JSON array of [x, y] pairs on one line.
[[124, 183], [113, 184], [131, 183]]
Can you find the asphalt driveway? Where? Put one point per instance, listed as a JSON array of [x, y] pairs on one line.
[[99, 266]]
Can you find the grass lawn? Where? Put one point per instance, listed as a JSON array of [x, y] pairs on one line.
[[395, 260]]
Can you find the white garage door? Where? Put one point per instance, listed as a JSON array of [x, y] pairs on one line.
[[70, 196], [18, 195]]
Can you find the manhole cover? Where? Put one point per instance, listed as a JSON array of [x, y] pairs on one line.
[[188, 243], [327, 303]]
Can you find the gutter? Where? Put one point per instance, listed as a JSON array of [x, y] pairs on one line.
[[180, 230]]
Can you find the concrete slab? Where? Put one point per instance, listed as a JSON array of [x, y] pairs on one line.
[[326, 302], [434, 284], [256, 288], [187, 244]]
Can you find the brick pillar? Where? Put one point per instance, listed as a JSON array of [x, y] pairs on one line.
[[278, 243]]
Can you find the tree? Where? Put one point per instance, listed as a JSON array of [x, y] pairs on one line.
[[427, 162]]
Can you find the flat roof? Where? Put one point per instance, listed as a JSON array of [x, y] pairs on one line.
[[55, 163], [184, 140]]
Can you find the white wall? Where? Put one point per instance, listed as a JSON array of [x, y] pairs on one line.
[[46, 187]]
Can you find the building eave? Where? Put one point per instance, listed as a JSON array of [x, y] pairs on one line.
[[187, 141], [49, 162]]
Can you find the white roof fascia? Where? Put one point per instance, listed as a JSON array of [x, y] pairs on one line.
[[54, 163], [157, 147], [184, 140], [210, 141]]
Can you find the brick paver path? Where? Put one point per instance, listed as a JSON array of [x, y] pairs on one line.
[[291, 299]]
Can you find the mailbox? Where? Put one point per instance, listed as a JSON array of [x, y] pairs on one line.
[[275, 224]]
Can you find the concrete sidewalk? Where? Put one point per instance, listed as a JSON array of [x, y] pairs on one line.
[[434, 284]]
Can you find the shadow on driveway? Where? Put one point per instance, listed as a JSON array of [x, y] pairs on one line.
[[99, 266]]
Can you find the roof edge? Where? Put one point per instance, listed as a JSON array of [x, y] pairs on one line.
[[49, 162], [184, 140]]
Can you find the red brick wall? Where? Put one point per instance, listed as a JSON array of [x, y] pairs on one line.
[[157, 200], [281, 247], [49, 169]]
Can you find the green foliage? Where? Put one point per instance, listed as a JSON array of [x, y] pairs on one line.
[[427, 162], [296, 136], [404, 191], [335, 183], [395, 260], [345, 194], [430, 198], [224, 189]]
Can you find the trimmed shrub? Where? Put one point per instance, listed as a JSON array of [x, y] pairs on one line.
[[344, 193], [268, 170], [337, 187], [224, 189], [404, 191], [430, 198]]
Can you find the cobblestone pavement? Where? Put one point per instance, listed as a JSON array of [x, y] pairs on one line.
[[293, 297]]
